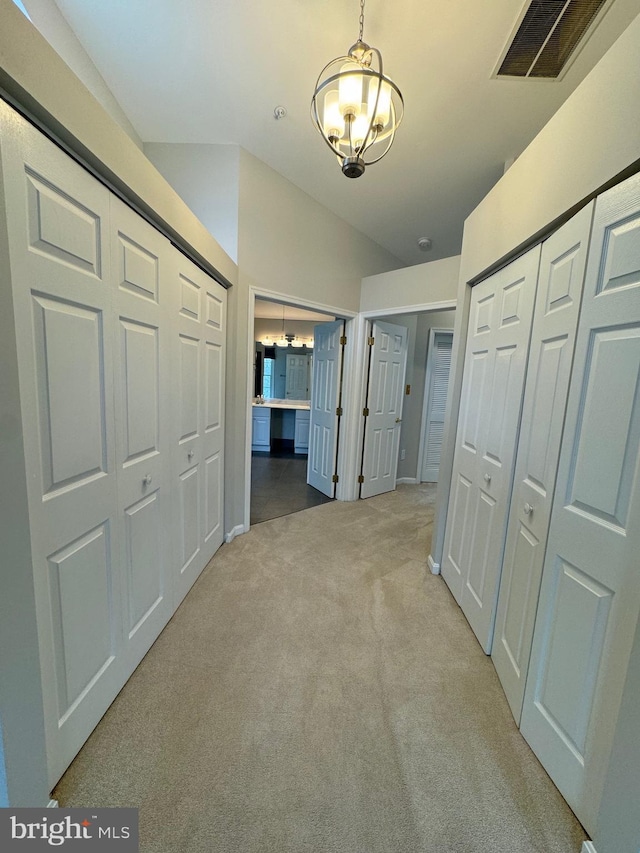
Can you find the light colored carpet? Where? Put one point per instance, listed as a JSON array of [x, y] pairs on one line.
[[320, 692]]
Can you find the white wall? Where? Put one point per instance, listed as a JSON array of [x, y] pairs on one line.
[[52, 25], [206, 177], [432, 282]]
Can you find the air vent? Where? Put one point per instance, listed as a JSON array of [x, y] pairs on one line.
[[547, 37]]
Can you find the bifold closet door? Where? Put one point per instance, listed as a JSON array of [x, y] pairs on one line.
[[199, 420], [494, 370], [99, 298], [590, 593], [555, 317], [58, 223], [142, 260]]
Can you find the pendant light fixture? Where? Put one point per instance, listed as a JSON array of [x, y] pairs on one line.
[[356, 108]]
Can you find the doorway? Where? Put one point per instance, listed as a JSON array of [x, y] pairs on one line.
[[283, 346]]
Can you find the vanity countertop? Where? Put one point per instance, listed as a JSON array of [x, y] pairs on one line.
[[282, 404]]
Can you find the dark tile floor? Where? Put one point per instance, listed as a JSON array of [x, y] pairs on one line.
[[279, 486]]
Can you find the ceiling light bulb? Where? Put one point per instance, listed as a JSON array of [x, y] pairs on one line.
[[333, 121], [350, 89], [383, 108]]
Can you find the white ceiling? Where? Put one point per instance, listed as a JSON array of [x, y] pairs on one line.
[[213, 71]]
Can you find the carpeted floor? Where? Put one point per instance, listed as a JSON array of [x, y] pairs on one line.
[[319, 692]]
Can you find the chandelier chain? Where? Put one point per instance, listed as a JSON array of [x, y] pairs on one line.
[[361, 20]]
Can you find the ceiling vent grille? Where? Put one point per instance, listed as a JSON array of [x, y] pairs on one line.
[[547, 37]]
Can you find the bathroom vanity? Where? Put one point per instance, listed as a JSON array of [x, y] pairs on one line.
[[282, 424]]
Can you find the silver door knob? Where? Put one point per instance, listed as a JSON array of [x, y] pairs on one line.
[[528, 509], [146, 481], [487, 478], [190, 454]]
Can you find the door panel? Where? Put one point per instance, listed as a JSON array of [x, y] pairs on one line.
[[325, 399], [385, 398], [495, 361], [553, 335], [199, 428], [140, 337], [590, 595]]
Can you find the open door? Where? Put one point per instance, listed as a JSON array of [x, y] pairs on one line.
[[325, 403], [387, 369]]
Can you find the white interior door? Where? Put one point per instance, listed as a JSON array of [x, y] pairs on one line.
[[387, 370], [325, 399], [562, 266], [297, 378], [58, 221], [437, 383], [590, 592], [494, 370], [200, 427], [142, 362]]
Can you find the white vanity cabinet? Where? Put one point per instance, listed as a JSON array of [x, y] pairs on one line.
[[261, 429], [301, 435]]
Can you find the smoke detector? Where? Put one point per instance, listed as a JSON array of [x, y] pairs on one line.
[[424, 244]]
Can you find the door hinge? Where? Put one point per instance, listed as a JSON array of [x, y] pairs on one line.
[[407, 389], [371, 341], [343, 341], [360, 478], [335, 478], [339, 411], [365, 412]]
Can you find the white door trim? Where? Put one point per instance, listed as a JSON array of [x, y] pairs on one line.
[[425, 397]]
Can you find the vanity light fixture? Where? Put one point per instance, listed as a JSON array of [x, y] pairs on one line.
[[356, 108]]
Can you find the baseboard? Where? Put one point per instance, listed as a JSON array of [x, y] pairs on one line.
[[52, 804], [588, 847], [238, 530], [433, 566], [406, 481]]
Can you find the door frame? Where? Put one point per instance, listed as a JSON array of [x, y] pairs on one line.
[[425, 399], [354, 426], [349, 317]]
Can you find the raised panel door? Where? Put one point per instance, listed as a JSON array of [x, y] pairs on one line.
[[590, 592], [58, 226], [141, 345], [387, 369], [560, 282], [495, 363], [324, 418]]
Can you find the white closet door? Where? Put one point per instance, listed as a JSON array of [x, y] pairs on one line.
[[590, 593], [199, 428], [58, 220], [438, 369], [495, 362], [142, 357], [387, 370], [562, 266]]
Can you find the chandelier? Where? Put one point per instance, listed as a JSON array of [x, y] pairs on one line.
[[356, 108]]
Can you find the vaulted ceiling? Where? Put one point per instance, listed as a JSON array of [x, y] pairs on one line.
[[212, 71]]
